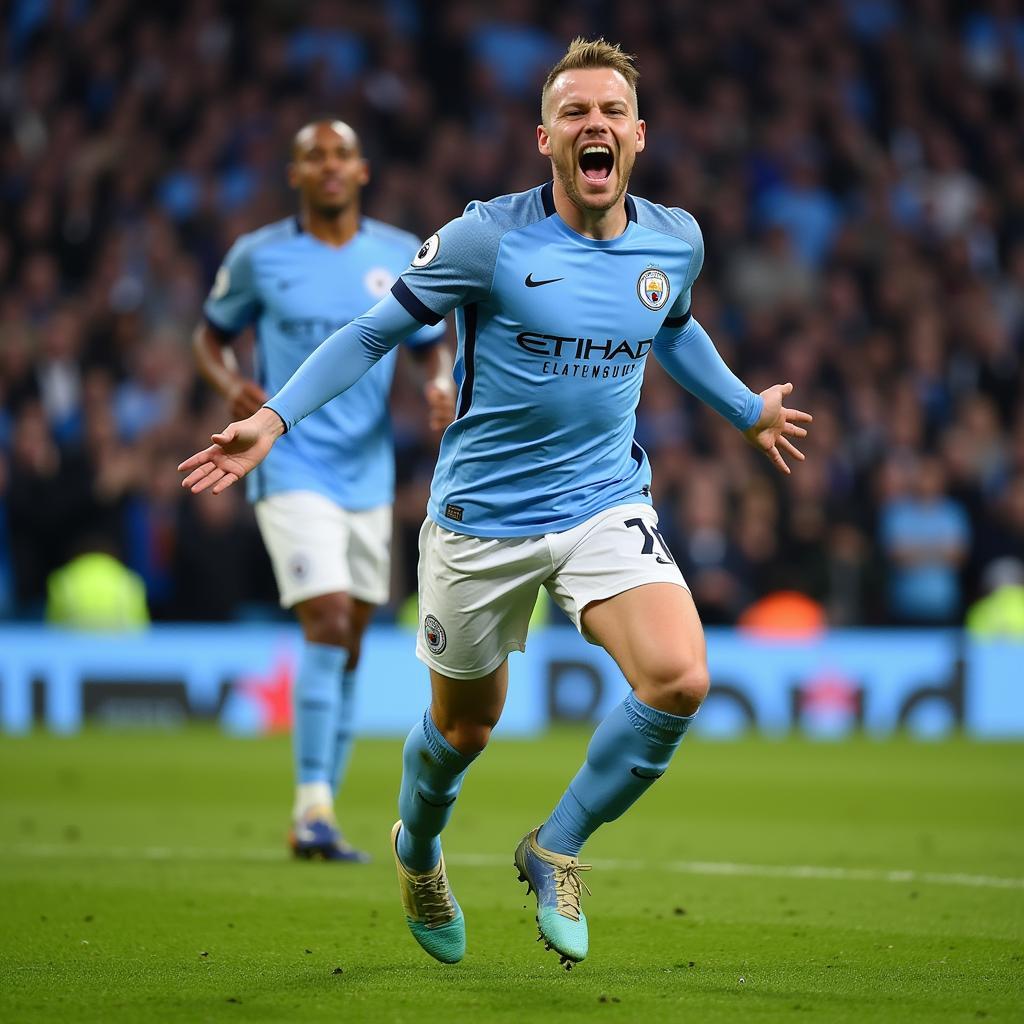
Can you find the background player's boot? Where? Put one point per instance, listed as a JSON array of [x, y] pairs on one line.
[[316, 834], [433, 916], [556, 881]]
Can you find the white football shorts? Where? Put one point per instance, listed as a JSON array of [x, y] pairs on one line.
[[476, 594], [317, 547]]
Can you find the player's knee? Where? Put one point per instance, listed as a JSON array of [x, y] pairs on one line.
[[468, 736], [327, 620], [677, 684]]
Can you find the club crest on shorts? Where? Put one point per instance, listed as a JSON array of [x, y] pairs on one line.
[[427, 251], [433, 635], [653, 288]]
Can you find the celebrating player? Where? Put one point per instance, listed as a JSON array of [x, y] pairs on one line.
[[561, 293], [323, 498]]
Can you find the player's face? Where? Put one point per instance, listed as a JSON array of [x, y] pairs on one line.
[[327, 166], [592, 135]]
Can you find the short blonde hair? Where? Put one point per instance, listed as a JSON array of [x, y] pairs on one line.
[[584, 54]]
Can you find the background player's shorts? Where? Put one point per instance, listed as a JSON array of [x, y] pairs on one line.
[[476, 594], [318, 547]]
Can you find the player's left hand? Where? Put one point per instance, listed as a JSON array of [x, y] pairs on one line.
[[440, 396], [777, 424]]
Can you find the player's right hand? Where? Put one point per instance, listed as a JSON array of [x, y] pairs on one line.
[[245, 398], [238, 448]]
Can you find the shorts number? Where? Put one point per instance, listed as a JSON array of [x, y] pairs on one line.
[[652, 533]]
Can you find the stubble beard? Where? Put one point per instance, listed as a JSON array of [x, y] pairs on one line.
[[567, 179]]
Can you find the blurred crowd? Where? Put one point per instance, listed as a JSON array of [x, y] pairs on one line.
[[857, 167]]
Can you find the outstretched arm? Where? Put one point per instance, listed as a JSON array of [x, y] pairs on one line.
[[690, 356], [335, 366]]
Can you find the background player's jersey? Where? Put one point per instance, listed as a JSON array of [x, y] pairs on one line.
[[297, 290], [554, 331]]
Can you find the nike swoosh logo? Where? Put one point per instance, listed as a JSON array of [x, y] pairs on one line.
[[284, 285], [640, 775], [430, 803], [661, 561], [530, 283]]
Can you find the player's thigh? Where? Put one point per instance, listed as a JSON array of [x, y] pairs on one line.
[[654, 634], [306, 535], [617, 580], [476, 595], [466, 710], [369, 553]]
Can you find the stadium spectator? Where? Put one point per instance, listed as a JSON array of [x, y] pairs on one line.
[[925, 536]]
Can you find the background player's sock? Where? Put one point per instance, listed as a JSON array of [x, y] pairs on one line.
[[431, 779], [343, 729], [317, 697], [629, 750], [310, 795]]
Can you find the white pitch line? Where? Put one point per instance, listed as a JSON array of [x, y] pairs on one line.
[[486, 860]]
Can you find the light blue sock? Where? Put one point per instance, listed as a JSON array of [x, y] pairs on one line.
[[432, 776], [317, 697], [343, 729], [629, 751]]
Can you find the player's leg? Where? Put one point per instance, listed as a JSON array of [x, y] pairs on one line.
[[305, 535], [655, 636], [359, 618], [624, 591], [368, 560], [317, 690], [438, 752], [475, 599]]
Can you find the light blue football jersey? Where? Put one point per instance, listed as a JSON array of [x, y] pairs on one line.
[[296, 290], [554, 330]]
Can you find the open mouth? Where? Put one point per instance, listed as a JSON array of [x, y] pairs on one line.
[[596, 162]]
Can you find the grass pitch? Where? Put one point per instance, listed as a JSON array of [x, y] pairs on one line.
[[144, 877]]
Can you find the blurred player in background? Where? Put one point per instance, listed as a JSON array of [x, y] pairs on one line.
[[323, 499], [561, 292]]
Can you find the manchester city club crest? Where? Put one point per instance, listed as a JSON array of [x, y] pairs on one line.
[[434, 635], [652, 287]]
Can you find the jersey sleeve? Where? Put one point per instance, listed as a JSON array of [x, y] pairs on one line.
[[679, 312], [453, 267], [233, 302], [691, 359]]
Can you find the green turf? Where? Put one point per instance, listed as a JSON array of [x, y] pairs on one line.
[[142, 878]]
